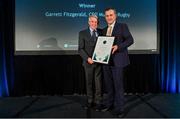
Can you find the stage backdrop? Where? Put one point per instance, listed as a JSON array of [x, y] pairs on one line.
[[53, 25]]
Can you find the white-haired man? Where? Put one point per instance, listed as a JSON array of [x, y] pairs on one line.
[[87, 41]]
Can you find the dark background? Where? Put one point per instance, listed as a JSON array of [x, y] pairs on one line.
[[61, 74]]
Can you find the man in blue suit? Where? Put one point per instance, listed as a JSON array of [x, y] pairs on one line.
[[113, 72]]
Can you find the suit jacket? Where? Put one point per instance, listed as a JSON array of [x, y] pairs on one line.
[[86, 43], [123, 39]]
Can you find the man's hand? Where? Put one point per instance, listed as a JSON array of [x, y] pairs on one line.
[[114, 49], [90, 61]]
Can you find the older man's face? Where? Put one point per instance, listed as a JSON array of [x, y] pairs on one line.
[[110, 16], [93, 23]]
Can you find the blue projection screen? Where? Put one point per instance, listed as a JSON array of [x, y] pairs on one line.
[[52, 26]]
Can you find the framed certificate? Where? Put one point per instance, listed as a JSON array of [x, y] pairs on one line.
[[102, 51]]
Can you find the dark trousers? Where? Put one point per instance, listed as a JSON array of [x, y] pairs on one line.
[[93, 82], [113, 79]]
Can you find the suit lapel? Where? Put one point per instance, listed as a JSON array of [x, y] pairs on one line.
[[88, 33], [105, 31], [114, 29]]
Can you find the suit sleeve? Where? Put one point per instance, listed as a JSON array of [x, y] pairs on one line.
[[81, 46], [128, 39]]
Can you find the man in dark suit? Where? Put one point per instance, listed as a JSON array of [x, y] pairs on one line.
[[87, 41], [113, 72]]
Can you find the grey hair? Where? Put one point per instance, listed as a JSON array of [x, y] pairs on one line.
[[94, 16]]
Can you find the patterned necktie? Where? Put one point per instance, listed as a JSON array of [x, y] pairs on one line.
[[109, 31]]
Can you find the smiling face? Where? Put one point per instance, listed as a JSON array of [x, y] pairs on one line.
[[110, 16], [93, 22]]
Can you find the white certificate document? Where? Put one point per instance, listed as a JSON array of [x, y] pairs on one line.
[[102, 51]]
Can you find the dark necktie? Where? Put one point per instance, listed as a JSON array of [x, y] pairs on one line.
[[94, 35]]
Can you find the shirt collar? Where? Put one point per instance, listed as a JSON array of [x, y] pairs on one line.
[[112, 25], [92, 29]]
